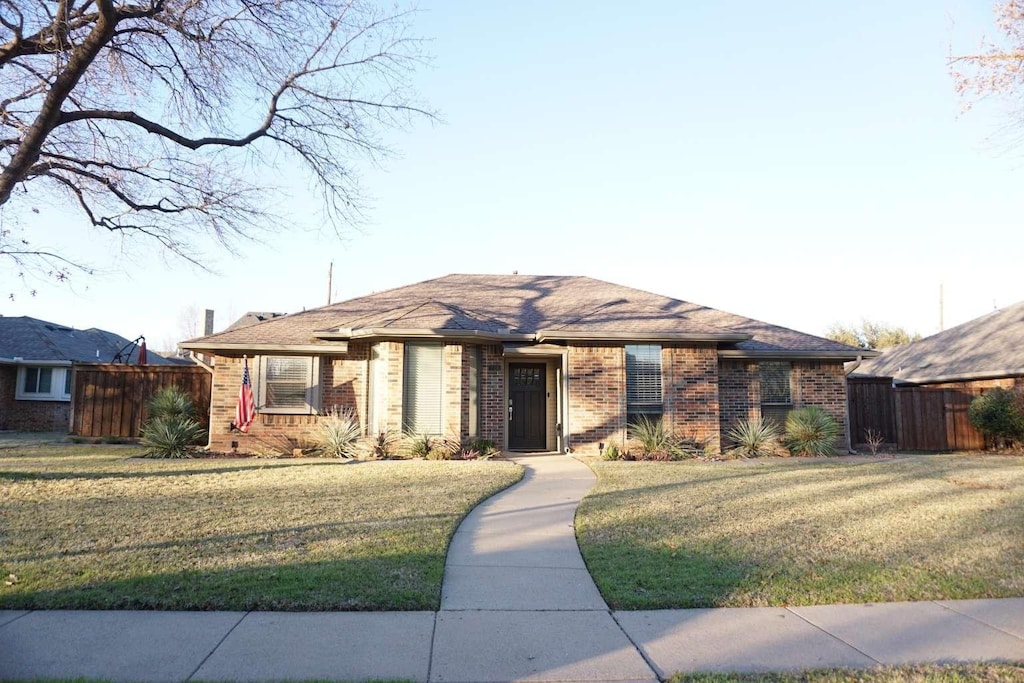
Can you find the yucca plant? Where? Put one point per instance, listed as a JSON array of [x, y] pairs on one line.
[[420, 445], [385, 444], [653, 440], [811, 431], [754, 438], [337, 434], [171, 403], [171, 437], [171, 430]]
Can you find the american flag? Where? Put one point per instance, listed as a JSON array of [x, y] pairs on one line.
[[245, 412]]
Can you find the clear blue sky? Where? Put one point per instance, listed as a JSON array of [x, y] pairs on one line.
[[801, 162]]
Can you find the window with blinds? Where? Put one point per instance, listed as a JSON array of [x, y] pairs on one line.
[[643, 381], [288, 384], [422, 388], [776, 394]]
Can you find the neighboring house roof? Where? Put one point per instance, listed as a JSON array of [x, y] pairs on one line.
[[986, 347], [31, 339], [252, 318], [522, 308]]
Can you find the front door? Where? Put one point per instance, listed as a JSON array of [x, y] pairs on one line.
[[527, 404]]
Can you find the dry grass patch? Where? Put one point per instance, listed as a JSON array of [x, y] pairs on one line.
[[923, 673], [805, 532], [83, 527]]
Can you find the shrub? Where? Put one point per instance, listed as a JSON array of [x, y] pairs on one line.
[[811, 431], [612, 453], [168, 437], [651, 438], [171, 403], [385, 444], [171, 430], [999, 415], [337, 434], [485, 447], [754, 438], [420, 445]]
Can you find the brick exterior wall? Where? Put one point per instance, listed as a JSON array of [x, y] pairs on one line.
[[822, 384], [453, 398], [690, 392], [342, 385], [29, 416], [493, 410], [739, 392], [597, 397]]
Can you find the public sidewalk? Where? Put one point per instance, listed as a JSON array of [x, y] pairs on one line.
[[517, 604]]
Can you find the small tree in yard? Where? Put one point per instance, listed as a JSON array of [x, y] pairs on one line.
[[999, 415]]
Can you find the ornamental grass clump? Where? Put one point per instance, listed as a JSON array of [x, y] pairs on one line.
[[171, 430], [811, 431], [337, 434], [755, 438]]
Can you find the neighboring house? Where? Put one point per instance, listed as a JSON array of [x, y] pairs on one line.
[[917, 396], [36, 360], [981, 353], [532, 363], [253, 317]]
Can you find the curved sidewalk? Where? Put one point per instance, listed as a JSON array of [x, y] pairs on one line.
[[517, 604]]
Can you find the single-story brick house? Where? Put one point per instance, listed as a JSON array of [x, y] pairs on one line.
[[36, 361], [532, 363]]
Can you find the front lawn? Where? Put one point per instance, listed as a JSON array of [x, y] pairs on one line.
[[84, 527], [804, 532], [921, 673]]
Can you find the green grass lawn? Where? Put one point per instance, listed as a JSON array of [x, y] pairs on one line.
[[804, 532], [84, 527], [929, 673]]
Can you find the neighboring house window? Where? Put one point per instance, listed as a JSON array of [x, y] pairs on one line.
[[378, 391], [422, 388], [289, 384], [475, 359], [643, 382], [776, 394], [43, 384]]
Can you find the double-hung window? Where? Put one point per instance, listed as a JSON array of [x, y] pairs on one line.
[[643, 382], [422, 388], [776, 394], [43, 383], [289, 384]]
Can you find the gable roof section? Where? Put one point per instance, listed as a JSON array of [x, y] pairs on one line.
[[31, 339], [523, 308], [986, 347]]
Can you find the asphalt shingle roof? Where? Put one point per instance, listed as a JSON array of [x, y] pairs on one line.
[[524, 304], [989, 346], [38, 340]]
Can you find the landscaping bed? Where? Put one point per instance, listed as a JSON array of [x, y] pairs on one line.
[[806, 531], [89, 527], [921, 673]]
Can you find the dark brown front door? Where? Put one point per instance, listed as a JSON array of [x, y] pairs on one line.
[[527, 400]]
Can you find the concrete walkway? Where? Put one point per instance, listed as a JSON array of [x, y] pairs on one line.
[[517, 604]]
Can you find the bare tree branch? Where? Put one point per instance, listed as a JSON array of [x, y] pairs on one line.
[[148, 115]]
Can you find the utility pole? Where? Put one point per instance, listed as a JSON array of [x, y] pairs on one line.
[[330, 276], [942, 325]]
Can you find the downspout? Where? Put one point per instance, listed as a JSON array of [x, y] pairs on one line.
[[200, 362], [846, 405]]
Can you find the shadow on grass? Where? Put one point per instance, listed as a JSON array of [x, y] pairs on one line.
[[408, 581], [18, 475]]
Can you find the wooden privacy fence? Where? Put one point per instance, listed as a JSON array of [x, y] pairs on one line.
[[913, 418], [112, 400]]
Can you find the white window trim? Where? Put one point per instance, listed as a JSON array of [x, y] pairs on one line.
[[57, 383], [313, 381]]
